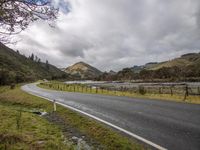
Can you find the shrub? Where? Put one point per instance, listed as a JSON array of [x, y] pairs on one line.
[[12, 86], [142, 90]]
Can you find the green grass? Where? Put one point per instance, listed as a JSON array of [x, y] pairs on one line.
[[84, 89], [20, 128], [23, 130], [20, 131]]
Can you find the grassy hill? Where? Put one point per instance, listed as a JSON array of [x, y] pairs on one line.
[[186, 60], [82, 70], [15, 67], [190, 59]]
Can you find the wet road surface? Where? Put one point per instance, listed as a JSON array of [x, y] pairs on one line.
[[175, 126]]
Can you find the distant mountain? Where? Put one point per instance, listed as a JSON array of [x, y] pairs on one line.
[[111, 72], [82, 70], [147, 66], [15, 67], [62, 69]]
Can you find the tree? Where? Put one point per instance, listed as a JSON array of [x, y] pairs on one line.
[[125, 74], [32, 57], [47, 64], [16, 15], [36, 58], [146, 74]]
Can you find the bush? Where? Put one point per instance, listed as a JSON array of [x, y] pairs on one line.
[[142, 90], [12, 86]]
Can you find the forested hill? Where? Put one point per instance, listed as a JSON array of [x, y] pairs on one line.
[[17, 68]]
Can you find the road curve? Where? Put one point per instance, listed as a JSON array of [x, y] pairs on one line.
[[175, 126]]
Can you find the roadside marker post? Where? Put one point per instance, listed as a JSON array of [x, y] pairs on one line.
[[54, 105]]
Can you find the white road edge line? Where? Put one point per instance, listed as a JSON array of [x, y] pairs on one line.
[[108, 123]]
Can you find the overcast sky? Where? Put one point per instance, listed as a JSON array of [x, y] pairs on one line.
[[113, 34]]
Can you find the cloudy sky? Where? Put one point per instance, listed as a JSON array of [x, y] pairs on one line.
[[112, 34]]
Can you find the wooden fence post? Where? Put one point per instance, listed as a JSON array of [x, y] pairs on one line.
[[171, 90], [186, 92], [159, 90]]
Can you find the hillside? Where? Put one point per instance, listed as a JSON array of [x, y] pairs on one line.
[[190, 59], [82, 70], [184, 68], [186, 60], [15, 67]]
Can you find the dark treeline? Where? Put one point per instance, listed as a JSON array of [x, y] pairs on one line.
[[189, 73]]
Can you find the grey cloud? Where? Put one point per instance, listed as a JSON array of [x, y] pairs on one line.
[[112, 34], [72, 46]]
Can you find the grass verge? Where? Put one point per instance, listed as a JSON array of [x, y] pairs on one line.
[[21, 129], [84, 89]]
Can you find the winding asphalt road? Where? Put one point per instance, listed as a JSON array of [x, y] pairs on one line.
[[175, 126]]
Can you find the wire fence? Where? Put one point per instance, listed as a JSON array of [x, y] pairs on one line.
[[184, 90]]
